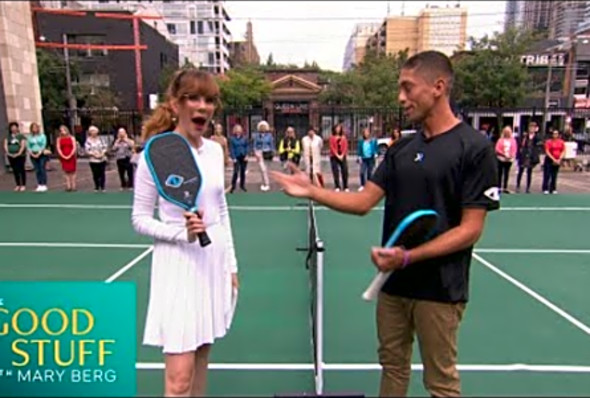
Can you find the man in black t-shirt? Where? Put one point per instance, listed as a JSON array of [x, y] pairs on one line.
[[448, 167]]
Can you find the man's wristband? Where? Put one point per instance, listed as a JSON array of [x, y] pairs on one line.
[[406, 260]]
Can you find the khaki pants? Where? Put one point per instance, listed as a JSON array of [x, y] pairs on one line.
[[435, 325]]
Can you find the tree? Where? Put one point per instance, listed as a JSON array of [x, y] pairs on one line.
[[270, 61], [491, 74], [52, 79], [244, 87], [342, 89], [97, 97], [372, 83]]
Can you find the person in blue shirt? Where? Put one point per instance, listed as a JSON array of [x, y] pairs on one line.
[[367, 153], [238, 152], [37, 146], [264, 148]]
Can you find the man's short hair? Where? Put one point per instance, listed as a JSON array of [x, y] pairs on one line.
[[433, 64]]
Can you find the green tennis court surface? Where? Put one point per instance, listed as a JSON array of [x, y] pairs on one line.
[[525, 331]]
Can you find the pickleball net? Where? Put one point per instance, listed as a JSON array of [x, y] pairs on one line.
[[315, 266]]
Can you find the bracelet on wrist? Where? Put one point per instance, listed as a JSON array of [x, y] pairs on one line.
[[406, 260]]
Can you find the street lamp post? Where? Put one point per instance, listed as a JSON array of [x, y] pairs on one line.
[[71, 98], [548, 90]]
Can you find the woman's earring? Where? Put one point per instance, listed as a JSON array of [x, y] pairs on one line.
[[174, 119]]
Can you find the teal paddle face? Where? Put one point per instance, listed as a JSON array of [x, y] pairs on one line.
[[175, 171], [415, 229]]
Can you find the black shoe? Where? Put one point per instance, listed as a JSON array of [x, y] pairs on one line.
[[244, 189], [232, 189]]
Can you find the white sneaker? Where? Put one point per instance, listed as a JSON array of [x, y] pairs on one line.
[[361, 188], [347, 190], [554, 192], [337, 190], [39, 189], [546, 192], [265, 188]]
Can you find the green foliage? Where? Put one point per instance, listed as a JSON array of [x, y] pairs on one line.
[[491, 74], [243, 87], [372, 83], [270, 60], [96, 97], [52, 79]]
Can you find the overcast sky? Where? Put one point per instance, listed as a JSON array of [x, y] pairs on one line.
[[299, 31]]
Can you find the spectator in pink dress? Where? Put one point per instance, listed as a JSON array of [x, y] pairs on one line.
[[506, 148]]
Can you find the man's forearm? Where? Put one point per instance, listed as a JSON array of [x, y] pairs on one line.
[[358, 203], [452, 241]]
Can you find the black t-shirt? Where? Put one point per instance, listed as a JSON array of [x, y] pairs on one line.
[[446, 173]]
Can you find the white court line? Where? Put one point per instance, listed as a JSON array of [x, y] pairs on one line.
[[476, 368], [236, 366], [577, 323], [127, 266], [534, 251], [63, 206], [252, 208], [145, 246], [541, 208], [513, 367], [75, 244]]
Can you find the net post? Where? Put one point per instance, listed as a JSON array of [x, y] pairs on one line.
[[320, 316]]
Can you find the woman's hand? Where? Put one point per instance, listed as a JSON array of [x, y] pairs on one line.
[[194, 224], [235, 283]]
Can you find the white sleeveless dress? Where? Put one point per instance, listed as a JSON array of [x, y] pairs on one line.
[[191, 300]]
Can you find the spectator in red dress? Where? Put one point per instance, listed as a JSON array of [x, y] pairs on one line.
[[66, 151]]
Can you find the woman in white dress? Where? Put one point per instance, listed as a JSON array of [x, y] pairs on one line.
[[312, 156], [192, 289]]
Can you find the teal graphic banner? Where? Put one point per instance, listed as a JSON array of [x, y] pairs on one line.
[[67, 339]]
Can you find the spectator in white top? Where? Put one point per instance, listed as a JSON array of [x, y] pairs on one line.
[[312, 156], [97, 152]]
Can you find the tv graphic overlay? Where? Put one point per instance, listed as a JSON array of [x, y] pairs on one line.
[[67, 339]]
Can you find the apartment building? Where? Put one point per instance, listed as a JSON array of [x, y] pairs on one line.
[[435, 28], [442, 29], [514, 15], [585, 24], [566, 16], [356, 46], [198, 28], [60, 4], [537, 15]]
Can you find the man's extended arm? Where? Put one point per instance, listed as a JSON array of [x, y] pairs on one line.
[[359, 203]]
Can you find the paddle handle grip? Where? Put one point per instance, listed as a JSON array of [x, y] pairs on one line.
[[375, 287], [204, 239], [202, 236]]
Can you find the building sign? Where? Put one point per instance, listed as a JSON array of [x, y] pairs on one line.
[[291, 107], [557, 59]]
